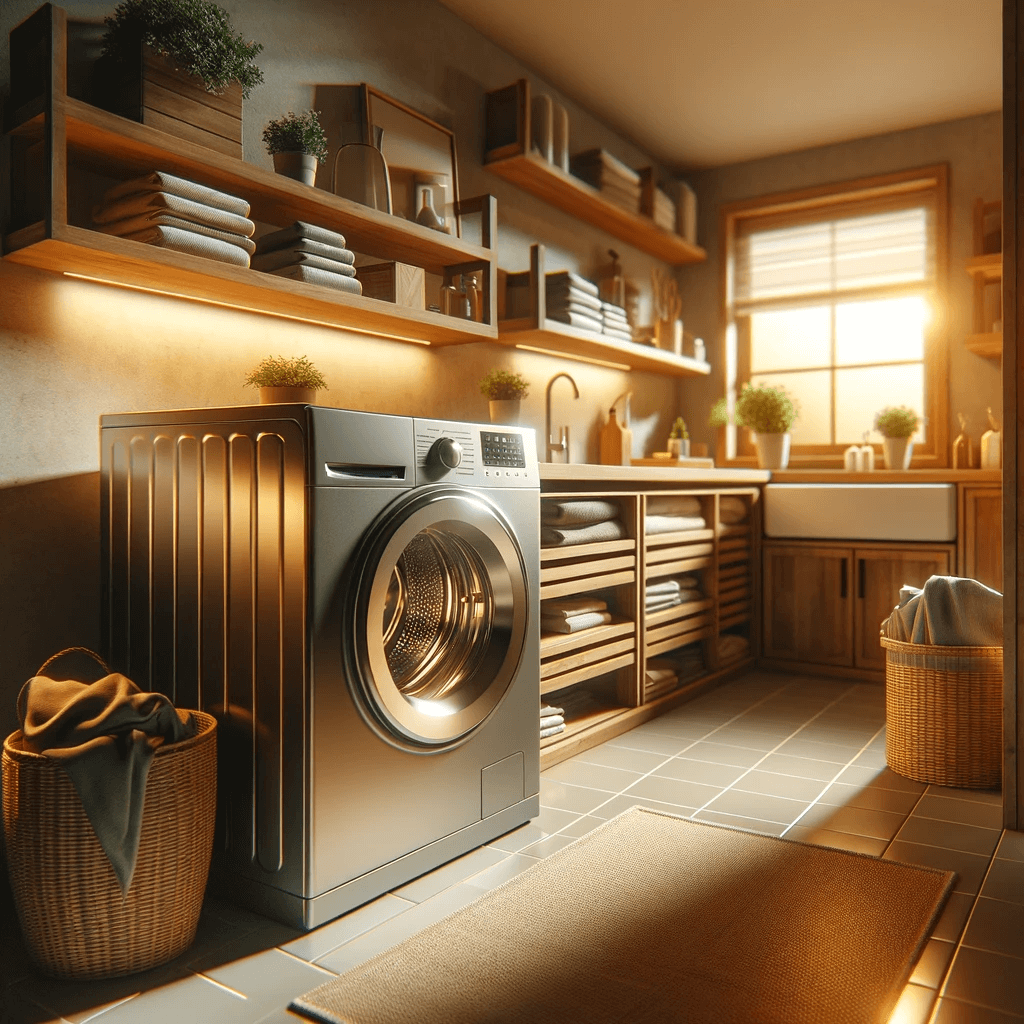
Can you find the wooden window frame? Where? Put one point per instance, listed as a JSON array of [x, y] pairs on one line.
[[734, 446]]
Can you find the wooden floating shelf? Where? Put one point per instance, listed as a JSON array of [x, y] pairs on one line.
[[988, 267], [535, 175], [988, 344]]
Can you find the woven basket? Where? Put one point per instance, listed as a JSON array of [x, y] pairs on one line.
[[75, 922], [944, 713]]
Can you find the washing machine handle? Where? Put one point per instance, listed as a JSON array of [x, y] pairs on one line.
[[446, 452]]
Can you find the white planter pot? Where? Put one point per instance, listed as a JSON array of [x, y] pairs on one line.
[[504, 410], [300, 166], [898, 452], [772, 450], [274, 396]]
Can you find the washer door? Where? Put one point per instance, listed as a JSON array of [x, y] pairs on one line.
[[440, 615]]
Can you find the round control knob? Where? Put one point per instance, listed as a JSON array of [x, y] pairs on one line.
[[446, 452]]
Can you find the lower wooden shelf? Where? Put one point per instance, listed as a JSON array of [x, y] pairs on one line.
[[988, 344]]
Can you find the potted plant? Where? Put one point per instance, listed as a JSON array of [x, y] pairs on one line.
[[505, 389], [679, 439], [281, 379], [769, 411], [188, 48], [896, 424], [297, 142]]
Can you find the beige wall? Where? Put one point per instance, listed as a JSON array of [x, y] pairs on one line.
[[973, 149], [72, 350]]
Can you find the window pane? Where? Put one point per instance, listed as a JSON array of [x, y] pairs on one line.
[[787, 339], [881, 331], [862, 393], [813, 393]]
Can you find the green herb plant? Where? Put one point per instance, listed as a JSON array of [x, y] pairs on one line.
[[296, 133], [282, 372], [504, 385], [766, 409], [896, 421], [195, 34], [679, 429]]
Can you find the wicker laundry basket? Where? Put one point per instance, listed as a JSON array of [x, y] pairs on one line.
[[75, 921], [944, 713]]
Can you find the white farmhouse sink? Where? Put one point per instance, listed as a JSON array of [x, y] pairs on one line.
[[861, 511]]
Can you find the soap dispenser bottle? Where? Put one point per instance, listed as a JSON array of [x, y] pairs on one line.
[[616, 440], [867, 456], [963, 446], [991, 445]]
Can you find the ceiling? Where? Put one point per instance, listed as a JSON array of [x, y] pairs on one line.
[[702, 83]]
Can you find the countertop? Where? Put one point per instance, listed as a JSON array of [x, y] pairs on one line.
[[888, 476], [571, 473]]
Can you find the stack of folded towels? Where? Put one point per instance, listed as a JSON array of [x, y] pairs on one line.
[[174, 213], [669, 592], [307, 252], [678, 515], [580, 521], [614, 322], [616, 182], [574, 300], [732, 647], [732, 510], [571, 614], [661, 677], [552, 720]]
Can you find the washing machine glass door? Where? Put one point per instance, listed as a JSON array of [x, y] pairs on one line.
[[441, 616]]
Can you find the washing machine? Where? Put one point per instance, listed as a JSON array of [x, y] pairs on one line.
[[354, 597]]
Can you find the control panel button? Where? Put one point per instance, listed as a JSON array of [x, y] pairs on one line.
[[446, 452]]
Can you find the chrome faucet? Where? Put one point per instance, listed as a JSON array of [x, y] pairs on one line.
[[562, 443]]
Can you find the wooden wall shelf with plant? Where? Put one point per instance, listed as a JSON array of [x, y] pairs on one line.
[[539, 331], [76, 142]]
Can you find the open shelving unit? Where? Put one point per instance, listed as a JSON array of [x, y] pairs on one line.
[[984, 270], [539, 331], [62, 146]]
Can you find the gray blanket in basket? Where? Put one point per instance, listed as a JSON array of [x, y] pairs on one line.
[[104, 734], [948, 612]]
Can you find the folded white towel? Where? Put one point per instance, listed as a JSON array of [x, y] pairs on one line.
[[186, 209], [547, 709], [948, 611], [549, 720], [580, 512], [192, 242], [673, 524], [551, 536], [732, 510], [672, 585], [575, 623], [161, 181], [145, 221], [660, 602], [566, 608], [552, 731]]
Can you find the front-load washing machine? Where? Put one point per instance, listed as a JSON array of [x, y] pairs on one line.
[[353, 596]]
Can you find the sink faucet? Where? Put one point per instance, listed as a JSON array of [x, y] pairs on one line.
[[562, 443]]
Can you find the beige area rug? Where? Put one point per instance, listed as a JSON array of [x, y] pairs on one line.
[[652, 919]]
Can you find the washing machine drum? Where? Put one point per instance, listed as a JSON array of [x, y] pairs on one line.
[[439, 616]]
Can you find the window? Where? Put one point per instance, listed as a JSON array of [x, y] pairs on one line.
[[836, 295]]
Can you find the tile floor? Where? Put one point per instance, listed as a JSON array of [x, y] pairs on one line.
[[785, 755]]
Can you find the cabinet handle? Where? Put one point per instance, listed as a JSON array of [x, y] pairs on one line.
[[842, 579], [861, 564]]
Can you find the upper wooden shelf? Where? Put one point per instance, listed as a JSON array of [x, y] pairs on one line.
[[988, 267], [988, 344], [535, 175]]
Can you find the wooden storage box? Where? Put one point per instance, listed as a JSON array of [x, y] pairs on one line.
[[394, 282]]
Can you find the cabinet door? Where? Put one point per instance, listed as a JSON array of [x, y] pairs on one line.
[[880, 574], [807, 607], [981, 541]]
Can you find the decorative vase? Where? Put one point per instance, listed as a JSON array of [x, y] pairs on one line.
[[427, 215], [898, 451], [772, 450], [297, 165], [360, 170], [275, 396], [679, 447], [504, 410]]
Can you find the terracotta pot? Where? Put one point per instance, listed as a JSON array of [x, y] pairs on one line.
[[504, 410], [772, 450], [300, 166], [275, 396], [898, 452]]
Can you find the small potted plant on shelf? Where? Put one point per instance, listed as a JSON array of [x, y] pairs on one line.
[[297, 142], [505, 389], [679, 439], [192, 47], [896, 424], [281, 379], [769, 411]]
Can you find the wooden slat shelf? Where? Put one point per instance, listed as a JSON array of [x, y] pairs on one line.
[[589, 671], [573, 587], [576, 660], [988, 267], [552, 644], [988, 344], [579, 570], [604, 547], [656, 540], [535, 175]]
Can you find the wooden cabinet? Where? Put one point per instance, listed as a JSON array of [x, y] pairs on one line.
[[823, 603], [980, 528]]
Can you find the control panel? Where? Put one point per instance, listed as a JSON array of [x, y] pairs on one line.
[[500, 449], [475, 453]]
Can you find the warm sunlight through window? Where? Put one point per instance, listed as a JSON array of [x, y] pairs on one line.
[[832, 294]]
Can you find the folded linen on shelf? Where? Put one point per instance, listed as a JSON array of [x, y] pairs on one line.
[[309, 246], [559, 296], [293, 257], [186, 209], [557, 310], [613, 310], [145, 221], [617, 335], [575, 623], [660, 602], [191, 242], [567, 279], [547, 721], [552, 730], [948, 611], [325, 278], [547, 709], [732, 510], [672, 585], [673, 524], [300, 231], [558, 536], [731, 646], [584, 323], [577, 512], [567, 607], [161, 181]]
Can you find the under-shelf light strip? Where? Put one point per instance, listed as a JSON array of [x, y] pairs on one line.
[[572, 355], [245, 309]]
